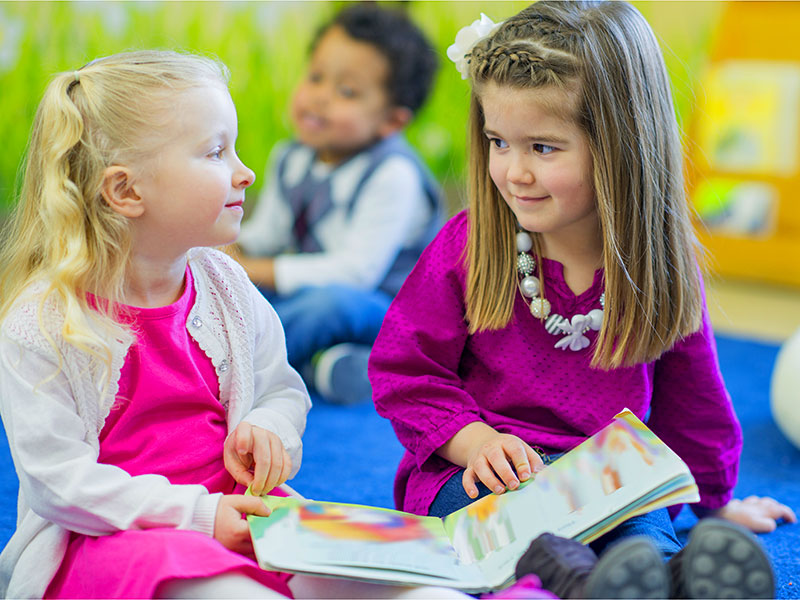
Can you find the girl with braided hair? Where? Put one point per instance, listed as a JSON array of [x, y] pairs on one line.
[[568, 290]]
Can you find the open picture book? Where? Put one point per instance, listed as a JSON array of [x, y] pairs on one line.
[[622, 471]]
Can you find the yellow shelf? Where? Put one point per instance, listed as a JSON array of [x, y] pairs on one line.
[[753, 38], [774, 260]]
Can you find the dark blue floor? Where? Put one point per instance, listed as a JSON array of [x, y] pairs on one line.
[[351, 455], [770, 464]]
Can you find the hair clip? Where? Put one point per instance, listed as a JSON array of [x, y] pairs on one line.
[[466, 38]]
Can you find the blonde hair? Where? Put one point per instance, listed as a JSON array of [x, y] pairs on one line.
[[62, 232], [606, 56]]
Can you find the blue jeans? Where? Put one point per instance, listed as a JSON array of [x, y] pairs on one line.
[[656, 525], [316, 318]]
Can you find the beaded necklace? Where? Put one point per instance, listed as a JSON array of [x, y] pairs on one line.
[[530, 288]]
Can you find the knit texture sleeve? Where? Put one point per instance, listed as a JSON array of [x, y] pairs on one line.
[[59, 476], [257, 383], [280, 402], [414, 364], [692, 413]]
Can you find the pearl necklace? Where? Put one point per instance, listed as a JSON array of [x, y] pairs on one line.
[[530, 288]]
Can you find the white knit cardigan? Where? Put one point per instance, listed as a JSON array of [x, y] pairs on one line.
[[53, 418]]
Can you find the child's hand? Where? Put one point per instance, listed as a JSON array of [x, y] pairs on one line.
[[500, 462], [230, 529], [758, 514], [256, 457]]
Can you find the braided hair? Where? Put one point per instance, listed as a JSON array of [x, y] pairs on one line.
[[605, 58]]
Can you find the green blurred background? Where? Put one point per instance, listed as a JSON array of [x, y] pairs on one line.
[[265, 45]]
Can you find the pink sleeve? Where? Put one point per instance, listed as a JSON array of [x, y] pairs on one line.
[[693, 414]]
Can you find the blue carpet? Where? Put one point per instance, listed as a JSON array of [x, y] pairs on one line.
[[351, 455]]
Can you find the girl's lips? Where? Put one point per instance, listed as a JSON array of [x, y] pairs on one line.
[[531, 198], [237, 204]]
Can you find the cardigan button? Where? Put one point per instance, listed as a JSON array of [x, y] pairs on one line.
[[196, 322], [223, 366]]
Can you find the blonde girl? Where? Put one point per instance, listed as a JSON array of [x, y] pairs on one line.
[[143, 378], [570, 288]]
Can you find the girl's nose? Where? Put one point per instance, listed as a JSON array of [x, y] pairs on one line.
[[519, 171], [243, 176]]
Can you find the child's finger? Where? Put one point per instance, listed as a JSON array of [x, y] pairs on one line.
[[505, 472], [488, 477], [250, 505], [244, 440], [234, 465], [241, 475], [498, 463], [468, 482], [276, 462], [287, 468], [772, 508], [760, 523], [263, 464], [518, 457], [780, 511], [788, 514], [536, 462]]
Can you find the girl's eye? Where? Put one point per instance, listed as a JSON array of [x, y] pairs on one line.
[[347, 92], [543, 148], [498, 143], [314, 77], [216, 152]]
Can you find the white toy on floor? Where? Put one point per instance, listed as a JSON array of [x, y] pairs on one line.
[[785, 389]]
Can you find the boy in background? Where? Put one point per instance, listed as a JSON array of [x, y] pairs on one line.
[[348, 206]]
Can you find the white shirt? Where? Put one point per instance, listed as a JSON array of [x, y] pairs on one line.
[[392, 212], [53, 418]]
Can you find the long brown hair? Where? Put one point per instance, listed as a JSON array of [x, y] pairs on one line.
[[607, 55]]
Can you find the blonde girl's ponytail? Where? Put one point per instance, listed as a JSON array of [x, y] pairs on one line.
[[54, 230], [62, 232]]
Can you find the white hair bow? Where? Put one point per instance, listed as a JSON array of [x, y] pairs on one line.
[[466, 39]]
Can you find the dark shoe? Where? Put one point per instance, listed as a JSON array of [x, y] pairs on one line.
[[340, 374], [721, 560], [630, 568], [562, 564]]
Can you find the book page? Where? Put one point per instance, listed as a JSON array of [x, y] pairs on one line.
[[357, 541], [621, 471]]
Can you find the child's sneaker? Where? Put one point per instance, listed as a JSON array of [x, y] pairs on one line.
[[721, 560], [562, 564], [631, 568], [340, 374]]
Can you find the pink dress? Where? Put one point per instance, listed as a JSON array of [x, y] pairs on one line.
[[167, 420]]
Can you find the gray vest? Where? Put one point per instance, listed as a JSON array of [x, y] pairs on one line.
[[310, 200]]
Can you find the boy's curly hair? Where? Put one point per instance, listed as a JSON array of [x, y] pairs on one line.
[[412, 59]]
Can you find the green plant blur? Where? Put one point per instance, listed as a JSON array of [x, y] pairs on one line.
[[265, 45]]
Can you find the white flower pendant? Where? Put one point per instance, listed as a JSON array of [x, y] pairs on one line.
[[574, 330]]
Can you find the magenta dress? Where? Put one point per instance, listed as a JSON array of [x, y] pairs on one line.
[[167, 420], [430, 377]]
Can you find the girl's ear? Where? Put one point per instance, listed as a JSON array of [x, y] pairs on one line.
[[396, 119], [119, 193]]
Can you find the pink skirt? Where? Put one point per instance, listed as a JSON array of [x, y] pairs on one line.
[[168, 394], [134, 563]]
